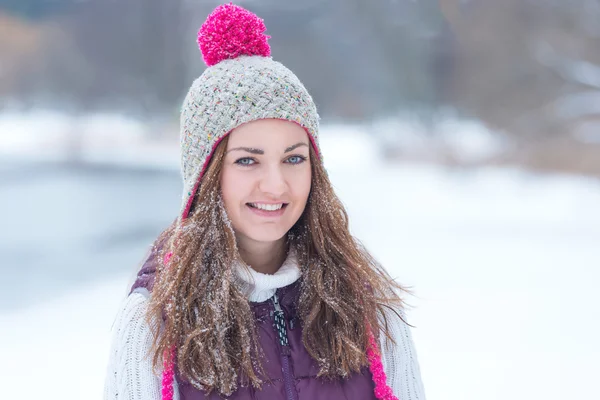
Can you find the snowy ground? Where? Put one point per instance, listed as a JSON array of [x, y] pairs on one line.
[[504, 265]]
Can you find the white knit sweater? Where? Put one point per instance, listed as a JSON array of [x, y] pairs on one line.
[[129, 373]]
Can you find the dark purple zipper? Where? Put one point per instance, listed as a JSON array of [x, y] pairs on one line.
[[281, 332]]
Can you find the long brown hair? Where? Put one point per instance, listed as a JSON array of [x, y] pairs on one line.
[[196, 306]]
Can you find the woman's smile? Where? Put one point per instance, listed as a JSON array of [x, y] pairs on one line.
[[269, 210]]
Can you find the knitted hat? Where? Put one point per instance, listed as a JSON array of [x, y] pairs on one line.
[[241, 84]]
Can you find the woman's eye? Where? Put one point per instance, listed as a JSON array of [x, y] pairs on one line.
[[245, 161], [296, 159]]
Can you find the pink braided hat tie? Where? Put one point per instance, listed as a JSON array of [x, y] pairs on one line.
[[168, 376], [382, 390]]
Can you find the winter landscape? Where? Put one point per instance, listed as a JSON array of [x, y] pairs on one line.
[[462, 136]]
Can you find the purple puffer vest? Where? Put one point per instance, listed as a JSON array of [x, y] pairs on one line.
[[292, 370]]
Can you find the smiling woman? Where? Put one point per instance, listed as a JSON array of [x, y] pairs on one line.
[[265, 183], [258, 290]]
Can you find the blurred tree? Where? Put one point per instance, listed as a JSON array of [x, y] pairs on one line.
[[136, 52]]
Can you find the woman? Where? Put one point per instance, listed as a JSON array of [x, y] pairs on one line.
[[258, 290]]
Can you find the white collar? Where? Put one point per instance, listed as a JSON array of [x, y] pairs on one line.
[[259, 287]]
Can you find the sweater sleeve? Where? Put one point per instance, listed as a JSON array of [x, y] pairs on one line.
[[400, 360], [129, 373]]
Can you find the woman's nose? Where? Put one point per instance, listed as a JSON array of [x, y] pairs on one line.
[[273, 182]]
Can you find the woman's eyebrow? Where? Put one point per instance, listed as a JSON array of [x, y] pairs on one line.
[[295, 146], [248, 149]]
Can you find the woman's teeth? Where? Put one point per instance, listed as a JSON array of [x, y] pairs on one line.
[[267, 207]]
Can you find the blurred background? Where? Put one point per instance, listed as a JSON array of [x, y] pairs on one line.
[[462, 135]]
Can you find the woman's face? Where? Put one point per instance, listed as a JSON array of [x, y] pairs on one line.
[[266, 178]]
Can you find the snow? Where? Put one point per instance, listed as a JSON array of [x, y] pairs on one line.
[[588, 132], [584, 72], [59, 349], [468, 140], [504, 265], [32, 132], [572, 106], [576, 71], [46, 135], [578, 105]]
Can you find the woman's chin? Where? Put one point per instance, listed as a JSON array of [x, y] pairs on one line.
[[265, 235]]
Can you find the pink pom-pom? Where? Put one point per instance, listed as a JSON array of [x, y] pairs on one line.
[[231, 31]]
